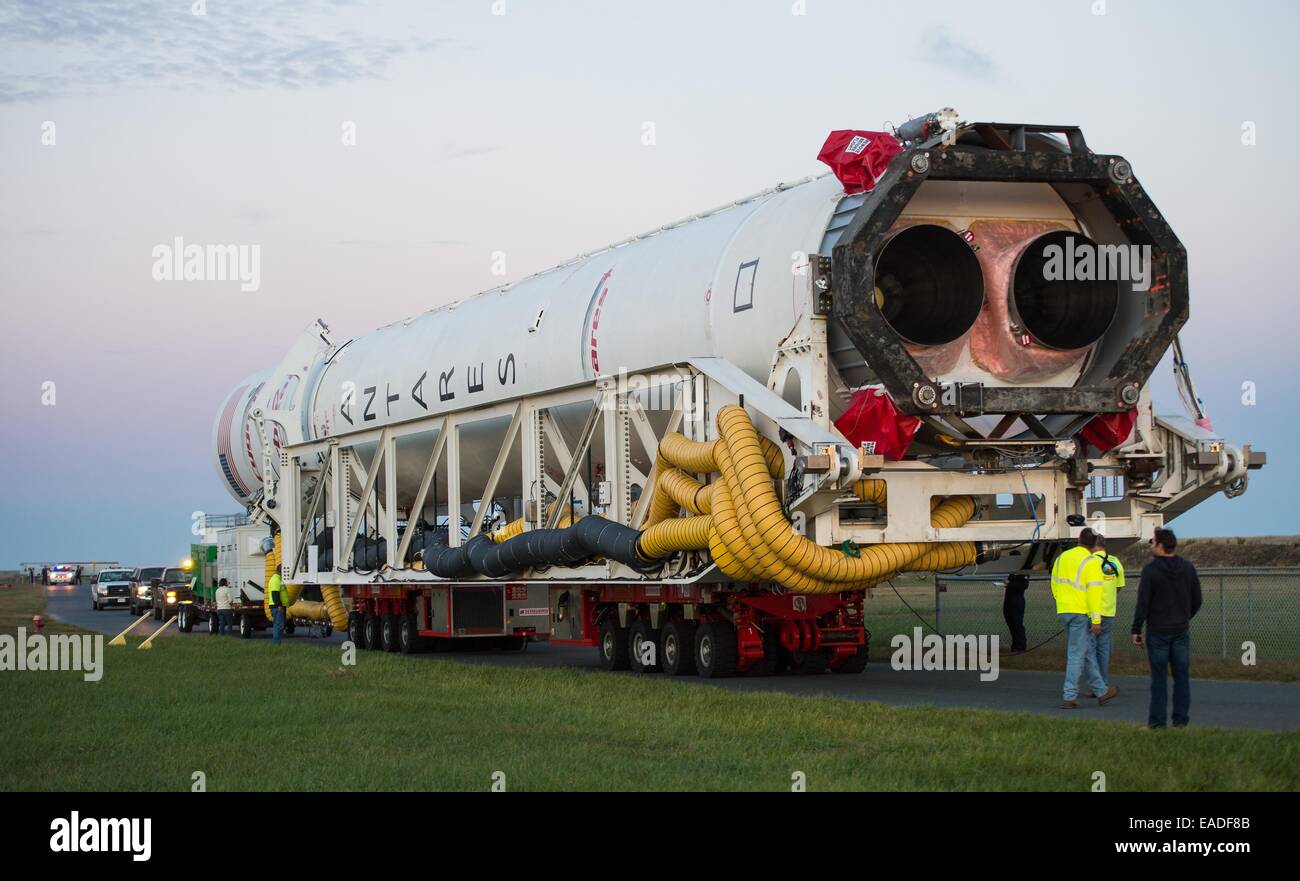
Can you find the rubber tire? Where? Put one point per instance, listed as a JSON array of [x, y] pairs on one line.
[[715, 650], [184, 620], [356, 629], [677, 648], [390, 633], [213, 622], [409, 640], [771, 654], [370, 632], [638, 635], [288, 626], [808, 663], [855, 664], [612, 645], [94, 605], [245, 627]]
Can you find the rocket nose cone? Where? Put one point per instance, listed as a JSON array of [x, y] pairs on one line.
[[234, 447]]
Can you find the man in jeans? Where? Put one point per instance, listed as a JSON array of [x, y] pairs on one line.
[[225, 608], [1112, 571], [1077, 587], [1169, 596]]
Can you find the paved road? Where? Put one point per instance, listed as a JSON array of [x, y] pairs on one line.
[[1260, 705], [71, 605]]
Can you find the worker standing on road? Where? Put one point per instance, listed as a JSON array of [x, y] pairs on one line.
[[275, 590], [1077, 586], [1169, 596], [1013, 609], [1112, 572], [225, 610]]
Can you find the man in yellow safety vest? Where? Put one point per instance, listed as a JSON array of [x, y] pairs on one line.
[[1112, 574], [275, 590], [1077, 585]]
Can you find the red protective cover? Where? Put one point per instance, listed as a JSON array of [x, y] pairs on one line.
[[1109, 430], [873, 419], [859, 158]]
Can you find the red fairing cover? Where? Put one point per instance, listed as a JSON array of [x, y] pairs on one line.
[[1109, 430], [859, 158], [873, 419]]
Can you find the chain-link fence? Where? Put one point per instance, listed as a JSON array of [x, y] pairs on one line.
[[1260, 606]]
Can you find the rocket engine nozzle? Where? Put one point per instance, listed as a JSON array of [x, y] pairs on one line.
[[929, 285], [1057, 309]]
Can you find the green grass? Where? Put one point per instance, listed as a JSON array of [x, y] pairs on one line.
[[251, 715], [1265, 610]]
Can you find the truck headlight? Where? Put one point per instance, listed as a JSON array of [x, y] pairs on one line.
[[171, 596], [141, 591]]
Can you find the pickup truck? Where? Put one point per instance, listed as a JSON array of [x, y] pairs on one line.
[[142, 587], [112, 587], [171, 591]]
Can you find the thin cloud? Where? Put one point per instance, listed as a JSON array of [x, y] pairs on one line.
[[92, 49], [467, 152], [375, 243], [942, 49]]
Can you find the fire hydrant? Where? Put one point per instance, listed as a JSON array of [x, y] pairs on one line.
[[37, 624]]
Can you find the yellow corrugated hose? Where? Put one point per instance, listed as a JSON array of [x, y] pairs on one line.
[[329, 606], [747, 531], [676, 456]]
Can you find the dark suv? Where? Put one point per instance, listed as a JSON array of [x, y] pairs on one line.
[[169, 592], [142, 586]]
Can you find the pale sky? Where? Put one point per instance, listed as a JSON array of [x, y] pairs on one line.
[[522, 133]]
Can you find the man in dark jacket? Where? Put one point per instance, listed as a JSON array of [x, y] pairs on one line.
[[1168, 598], [1013, 609]]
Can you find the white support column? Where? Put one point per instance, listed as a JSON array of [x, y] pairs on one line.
[[390, 501], [453, 484], [290, 497], [341, 465], [532, 450], [618, 454]]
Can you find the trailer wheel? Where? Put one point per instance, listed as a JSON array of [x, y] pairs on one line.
[[390, 638], [214, 621], [288, 626], [771, 659], [370, 631], [356, 629], [613, 645], [677, 648], [184, 621], [245, 627], [808, 663], [855, 664], [409, 638], [715, 650], [641, 641]]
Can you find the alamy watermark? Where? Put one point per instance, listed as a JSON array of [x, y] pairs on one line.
[[1082, 260], [63, 651], [78, 834], [921, 651], [181, 262]]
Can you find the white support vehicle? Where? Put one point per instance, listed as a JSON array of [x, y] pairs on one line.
[[111, 588]]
